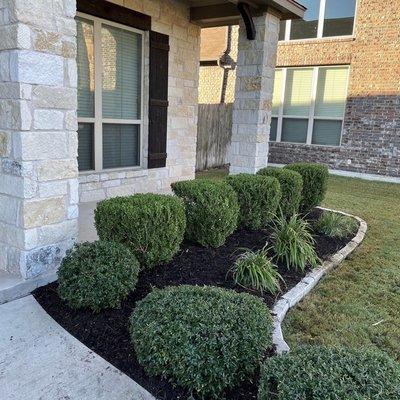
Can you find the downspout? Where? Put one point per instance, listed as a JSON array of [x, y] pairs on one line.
[[224, 61]]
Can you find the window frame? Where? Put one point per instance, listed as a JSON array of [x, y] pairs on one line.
[[320, 30], [98, 119], [311, 117]]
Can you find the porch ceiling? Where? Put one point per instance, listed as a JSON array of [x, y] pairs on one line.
[[211, 13]]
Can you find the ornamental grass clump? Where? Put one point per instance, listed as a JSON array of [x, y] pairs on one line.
[[205, 339], [336, 225], [291, 184], [152, 226], [212, 210], [293, 242], [258, 196], [315, 184], [97, 275], [322, 373], [254, 270]]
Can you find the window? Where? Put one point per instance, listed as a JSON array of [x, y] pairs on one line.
[[308, 105], [323, 18], [109, 60]]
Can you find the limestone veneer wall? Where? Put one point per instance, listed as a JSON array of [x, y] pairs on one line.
[[38, 141], [171, 18]]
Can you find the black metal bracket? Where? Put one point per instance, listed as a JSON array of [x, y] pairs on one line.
[[244, 10]]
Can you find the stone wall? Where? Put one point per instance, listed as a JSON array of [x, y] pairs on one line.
[[171, 18], [251, 117], [38, 141], [371, 135]]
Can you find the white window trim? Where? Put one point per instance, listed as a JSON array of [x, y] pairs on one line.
[[320, 29], [98, 119], [311, 117]]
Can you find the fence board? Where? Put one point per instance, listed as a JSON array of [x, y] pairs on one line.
[[214, 135]]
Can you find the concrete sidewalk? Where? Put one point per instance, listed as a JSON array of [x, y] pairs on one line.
[[39, 360]]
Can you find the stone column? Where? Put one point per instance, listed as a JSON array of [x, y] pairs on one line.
[[38, 139], [253, 96]]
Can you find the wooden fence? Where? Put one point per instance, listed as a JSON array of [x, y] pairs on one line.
[[213, 135]]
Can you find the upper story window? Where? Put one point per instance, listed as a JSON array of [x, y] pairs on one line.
[[308, 105], [323, 18], [109, 60]]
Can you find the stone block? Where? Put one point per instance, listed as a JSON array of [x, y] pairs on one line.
[[37, 68], [15, 36], [5, 144], [48, 120], [40, 145], [63, 231], [54, 97], [36, 213], [50, 170], [53, 189]]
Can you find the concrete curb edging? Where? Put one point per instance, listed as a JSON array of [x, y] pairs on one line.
[[304, 287]]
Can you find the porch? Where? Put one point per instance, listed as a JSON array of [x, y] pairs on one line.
[[55, 130]]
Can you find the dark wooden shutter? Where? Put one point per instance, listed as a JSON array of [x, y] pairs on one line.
[[158, 104]]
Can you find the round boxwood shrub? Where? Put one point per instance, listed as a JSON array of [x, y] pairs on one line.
[[291, 186], [97, 275], [315, 183], [202, 338], [212, 210], [258, 196], [321, 373], [151, 225]]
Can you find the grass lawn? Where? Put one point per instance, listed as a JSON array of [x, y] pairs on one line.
[[358, 304]]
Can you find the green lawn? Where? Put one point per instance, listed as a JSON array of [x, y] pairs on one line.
[[358, 304]]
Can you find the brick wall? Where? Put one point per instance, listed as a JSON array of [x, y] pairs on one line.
[[371, 135]]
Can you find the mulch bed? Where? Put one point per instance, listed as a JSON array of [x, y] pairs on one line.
[[106, 333]]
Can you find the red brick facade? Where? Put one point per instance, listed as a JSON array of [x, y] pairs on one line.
[[371, 134]]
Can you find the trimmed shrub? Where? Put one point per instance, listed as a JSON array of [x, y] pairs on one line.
[[291, 186], [254, 270], [315, 183], [336, 225], [205, 339], [258, 196], [321, 373], [212, 210], [152, 226], [97, 275], [294, 243]]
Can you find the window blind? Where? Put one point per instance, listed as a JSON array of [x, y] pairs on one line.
[[276, 98], [85, 65], [327, 133], [122, 54], [331, 95], [120, 145], [274, 129], [294, 130], [85, 146], [298, 92]]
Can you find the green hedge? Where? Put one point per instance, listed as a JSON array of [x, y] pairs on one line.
[[212, 210], [258, 196], [97, 275], [291, 186], [205, 339], [320, 373], [151, 225], [315, 183]]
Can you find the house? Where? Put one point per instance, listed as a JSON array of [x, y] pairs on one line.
[[337, 85], [99, 99]]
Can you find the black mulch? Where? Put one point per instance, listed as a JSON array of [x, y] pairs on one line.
[[106, 333]]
